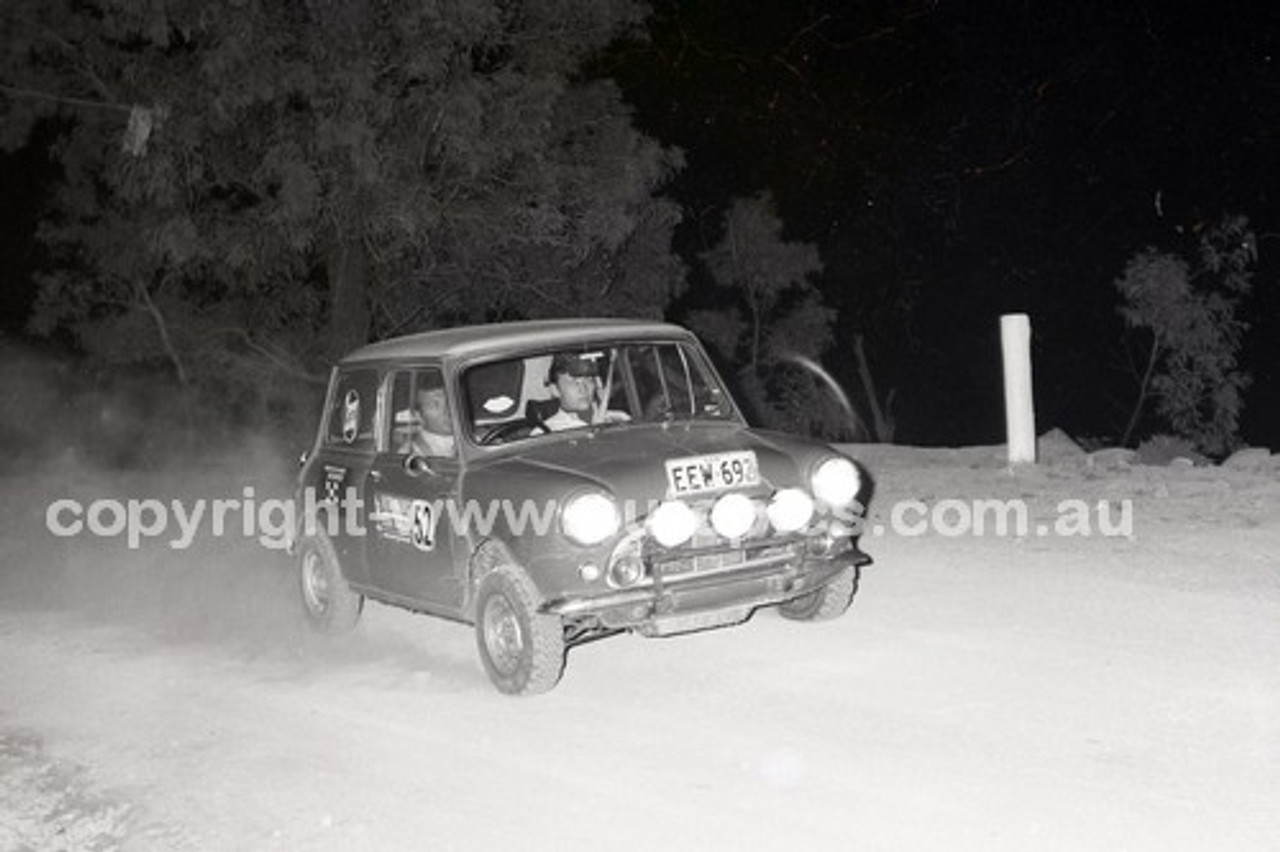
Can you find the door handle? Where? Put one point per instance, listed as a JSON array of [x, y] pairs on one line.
[[375, 475]]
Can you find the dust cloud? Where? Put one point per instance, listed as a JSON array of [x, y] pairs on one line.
[[87, 442]]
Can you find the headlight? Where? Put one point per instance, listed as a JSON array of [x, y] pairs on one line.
[[590, 518], [626, 571], [673, 523], [733, 516], [626, 563], [836, 482], [790, 509]]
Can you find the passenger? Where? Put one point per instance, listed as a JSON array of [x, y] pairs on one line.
[[432, 433]]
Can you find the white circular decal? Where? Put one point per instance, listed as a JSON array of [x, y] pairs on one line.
[[350, 416]]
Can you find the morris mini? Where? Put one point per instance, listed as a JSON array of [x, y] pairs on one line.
[[558, 481]]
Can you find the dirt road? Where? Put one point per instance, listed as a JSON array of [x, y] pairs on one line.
[[985, 692]]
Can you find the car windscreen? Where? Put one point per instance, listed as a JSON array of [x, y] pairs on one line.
[[583, 386]]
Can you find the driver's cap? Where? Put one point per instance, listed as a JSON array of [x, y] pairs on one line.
[[573, 364]]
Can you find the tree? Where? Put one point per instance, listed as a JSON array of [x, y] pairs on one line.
[[777, 327], [1190, 309], [253, 188]]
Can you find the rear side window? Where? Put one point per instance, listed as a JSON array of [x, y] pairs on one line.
[[351, 410]]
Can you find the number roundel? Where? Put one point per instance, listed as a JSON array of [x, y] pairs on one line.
[[422, 532]]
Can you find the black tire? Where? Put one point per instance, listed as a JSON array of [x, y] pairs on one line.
[[329, 604], [522, 649], [831, 601]]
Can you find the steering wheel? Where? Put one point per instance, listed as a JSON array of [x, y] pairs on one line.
[[504, 432]]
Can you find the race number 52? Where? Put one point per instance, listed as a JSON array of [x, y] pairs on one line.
[[423, 530]]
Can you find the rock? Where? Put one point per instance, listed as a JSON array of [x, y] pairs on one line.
[[1112, 458], [1252, 459], [1057, 447], [1166, 450]]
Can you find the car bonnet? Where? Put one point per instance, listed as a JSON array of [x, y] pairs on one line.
[[630, 461]]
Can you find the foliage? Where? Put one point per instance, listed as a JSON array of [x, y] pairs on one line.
[[252, 188], [780, 326], [1190, 309]]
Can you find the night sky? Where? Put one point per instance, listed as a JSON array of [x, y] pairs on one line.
[[953, 161], [957, 160]]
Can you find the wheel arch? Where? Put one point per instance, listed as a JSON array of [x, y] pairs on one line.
[[489, 554]]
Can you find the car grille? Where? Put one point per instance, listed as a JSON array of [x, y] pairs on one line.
[[707, 552]]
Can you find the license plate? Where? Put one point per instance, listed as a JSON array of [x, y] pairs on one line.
[[715, 472]]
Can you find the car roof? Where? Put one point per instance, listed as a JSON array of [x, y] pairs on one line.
[[469, 340]]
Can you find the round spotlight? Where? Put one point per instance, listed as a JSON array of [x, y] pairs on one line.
[[673, 523], [590, 518], [589, 572], [733, 515], [790, 510], [836, 482]]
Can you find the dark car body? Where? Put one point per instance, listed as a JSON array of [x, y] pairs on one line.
[[545, 538]]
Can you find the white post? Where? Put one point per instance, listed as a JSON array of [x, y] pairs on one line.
[[1019, 404]]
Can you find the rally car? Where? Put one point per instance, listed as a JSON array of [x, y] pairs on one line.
[[552, 482]]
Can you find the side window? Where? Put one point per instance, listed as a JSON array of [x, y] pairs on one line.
[[351, 415], [421, 418]]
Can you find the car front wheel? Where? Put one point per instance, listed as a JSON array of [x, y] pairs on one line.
[[826, 603], [328, 603], [522, 649]]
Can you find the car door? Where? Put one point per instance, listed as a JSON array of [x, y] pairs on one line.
[[411, 547], [335, 477]]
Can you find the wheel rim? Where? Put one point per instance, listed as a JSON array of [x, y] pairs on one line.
[[503, 637], [315, 584]]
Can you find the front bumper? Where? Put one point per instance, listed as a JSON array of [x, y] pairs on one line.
[[662, 606]]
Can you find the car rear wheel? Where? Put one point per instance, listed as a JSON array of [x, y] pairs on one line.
[[831, 601], [522, 649], [328, 603]]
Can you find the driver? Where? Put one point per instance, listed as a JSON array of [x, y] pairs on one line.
[[575, 382]]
